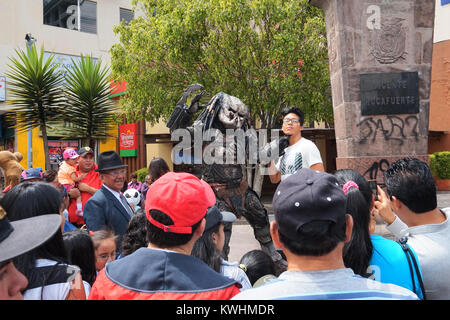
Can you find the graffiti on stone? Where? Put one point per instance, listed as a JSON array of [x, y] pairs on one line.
[[391, 128], [381, 166]]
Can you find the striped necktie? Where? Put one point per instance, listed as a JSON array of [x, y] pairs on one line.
[[126, 205]]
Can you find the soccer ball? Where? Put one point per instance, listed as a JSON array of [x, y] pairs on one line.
[[133, 196]]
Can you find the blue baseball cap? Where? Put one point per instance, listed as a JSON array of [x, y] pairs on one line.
[[32, 173]]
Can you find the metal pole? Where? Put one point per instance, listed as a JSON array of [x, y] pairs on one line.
[[30, 148], [30, 41]]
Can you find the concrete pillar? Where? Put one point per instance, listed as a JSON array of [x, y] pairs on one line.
[[380, 55]]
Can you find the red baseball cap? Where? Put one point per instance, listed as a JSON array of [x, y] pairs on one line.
[[183, 197]]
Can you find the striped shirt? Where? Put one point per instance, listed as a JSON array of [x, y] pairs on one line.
[[338, 284]]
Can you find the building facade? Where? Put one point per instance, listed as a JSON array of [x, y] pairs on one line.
[[439, 138], [66, 29]]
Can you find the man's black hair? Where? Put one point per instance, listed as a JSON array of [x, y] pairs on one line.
[[410, 180], [160, 238], [316, 238], [135, 236], [295, 110]]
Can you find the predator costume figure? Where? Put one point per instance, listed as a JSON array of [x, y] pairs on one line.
[[233, 194]]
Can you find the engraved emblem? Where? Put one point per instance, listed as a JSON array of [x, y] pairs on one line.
[[388, 42]]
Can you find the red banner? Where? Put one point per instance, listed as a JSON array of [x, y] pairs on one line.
[[128, 140]]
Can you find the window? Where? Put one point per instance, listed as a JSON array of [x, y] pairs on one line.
[[126, 15], [78, 15]]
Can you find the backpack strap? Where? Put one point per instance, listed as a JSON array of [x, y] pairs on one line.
[[410, 257]]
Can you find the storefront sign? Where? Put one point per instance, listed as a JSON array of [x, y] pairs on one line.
[[61, 129], [118, 88], [128, 140], [57, 147], [63, 62], [2, 88]]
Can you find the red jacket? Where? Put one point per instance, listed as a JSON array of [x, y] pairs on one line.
[[150, 274]]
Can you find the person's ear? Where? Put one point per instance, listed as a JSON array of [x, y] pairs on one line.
[[348, 227], [274, 234], [214, 238], [199, 231], [396, 204]]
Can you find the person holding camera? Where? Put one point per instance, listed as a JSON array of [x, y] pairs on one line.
[[409, 207], [295, 151]]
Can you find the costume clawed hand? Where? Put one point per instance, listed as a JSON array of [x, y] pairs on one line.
[[225, 177]]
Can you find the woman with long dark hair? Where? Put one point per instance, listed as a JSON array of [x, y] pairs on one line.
[[80, 252], [209, 246], [358, 252], [368, 254], [46, 267], [157, 167]]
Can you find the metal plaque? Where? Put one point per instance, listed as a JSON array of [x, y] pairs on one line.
[[389, 93]]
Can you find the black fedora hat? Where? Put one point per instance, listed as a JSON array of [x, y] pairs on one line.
[[109, 160]]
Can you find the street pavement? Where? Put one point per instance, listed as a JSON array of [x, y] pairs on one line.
[[243, 240]]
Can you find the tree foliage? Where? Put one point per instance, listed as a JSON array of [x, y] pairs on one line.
[[268, 53], [36, 90], [88, 106]]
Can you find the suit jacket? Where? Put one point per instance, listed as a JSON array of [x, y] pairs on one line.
[[103, 209]]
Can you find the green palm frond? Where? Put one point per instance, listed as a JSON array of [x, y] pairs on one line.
[[37, 95], [36, 90], [88, 106]]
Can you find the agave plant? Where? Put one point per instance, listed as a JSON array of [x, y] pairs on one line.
[[88, 106], [36, 90]]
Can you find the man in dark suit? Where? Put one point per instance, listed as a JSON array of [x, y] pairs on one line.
[[108, 207]]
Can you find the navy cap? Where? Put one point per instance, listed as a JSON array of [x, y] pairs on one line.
[[306, 196]]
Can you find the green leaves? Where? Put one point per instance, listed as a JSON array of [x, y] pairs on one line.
[[248, 48], [40, 97], [37, 95], [88, 106], [35, 87]]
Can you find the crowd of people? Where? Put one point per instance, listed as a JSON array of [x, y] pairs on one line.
[[73, 234]]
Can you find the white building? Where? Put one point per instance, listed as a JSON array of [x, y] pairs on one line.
[[66, 28]]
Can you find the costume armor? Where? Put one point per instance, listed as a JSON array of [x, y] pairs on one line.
[[222, 113]]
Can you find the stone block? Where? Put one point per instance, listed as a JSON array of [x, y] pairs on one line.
[[351, 84], [428, 51], [336, 89], [347, 49], [424, 13], [373, 167], [402, 43], [418, 48]]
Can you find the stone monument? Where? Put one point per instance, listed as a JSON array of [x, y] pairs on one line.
[[380, 54]]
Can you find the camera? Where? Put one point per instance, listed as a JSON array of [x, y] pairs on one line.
[[373, 186]]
